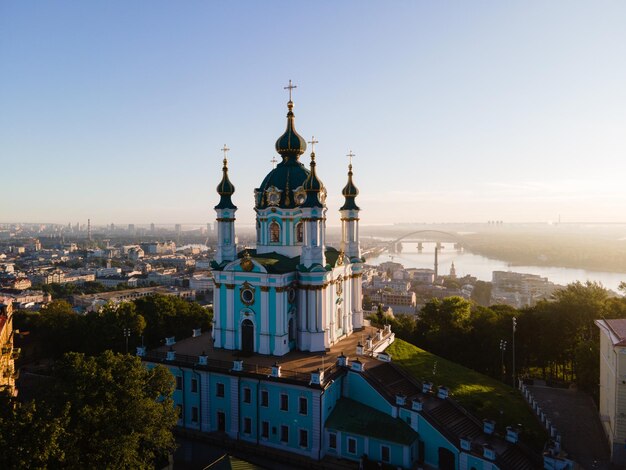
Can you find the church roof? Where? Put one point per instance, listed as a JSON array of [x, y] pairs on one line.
[[350, 192], [225, 189], [290, 144], [289, 175], [313, 187], [275, 263], [354, 417]]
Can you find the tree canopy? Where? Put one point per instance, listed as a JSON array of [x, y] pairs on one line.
[[106, 411]]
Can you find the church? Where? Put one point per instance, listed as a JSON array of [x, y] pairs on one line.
[[290, 369], [293, 292]]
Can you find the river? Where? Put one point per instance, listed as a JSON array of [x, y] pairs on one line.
[[482, 267]]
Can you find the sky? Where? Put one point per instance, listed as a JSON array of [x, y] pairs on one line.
[[456, 111]]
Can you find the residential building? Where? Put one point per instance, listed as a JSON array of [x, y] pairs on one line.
[[613, 385], [8, 353], [93, 301]]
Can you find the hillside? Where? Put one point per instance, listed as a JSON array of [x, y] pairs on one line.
[[483, 396]]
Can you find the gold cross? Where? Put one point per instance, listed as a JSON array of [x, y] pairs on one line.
[[273, 160], [313, 142], [289, 87], [350, 155], [225, 150]]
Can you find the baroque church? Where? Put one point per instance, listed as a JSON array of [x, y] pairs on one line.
[[290, 369], [293, 292]]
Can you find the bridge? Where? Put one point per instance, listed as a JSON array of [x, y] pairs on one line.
[[426, 235]]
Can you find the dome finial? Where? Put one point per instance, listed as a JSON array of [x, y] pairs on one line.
[[290, 145], [225, 189], [313, 185], [350, 191]]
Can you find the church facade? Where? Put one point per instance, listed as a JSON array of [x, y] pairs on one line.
[[291, 369], [292, 292]]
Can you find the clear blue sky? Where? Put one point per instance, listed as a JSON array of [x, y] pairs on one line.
[[457, 111]]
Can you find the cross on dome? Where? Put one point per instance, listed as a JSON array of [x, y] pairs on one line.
[[273, 161], [290, 87], [350, 156], [313, 142], [225, 150]]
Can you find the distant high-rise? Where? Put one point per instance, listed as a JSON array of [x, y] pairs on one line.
[[131, 229], [152, 227], [89, 229]]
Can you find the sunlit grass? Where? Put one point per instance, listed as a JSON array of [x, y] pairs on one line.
[[483, 396]]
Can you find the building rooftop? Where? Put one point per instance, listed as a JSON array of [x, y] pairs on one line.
[[275, 263], [616, 329], [354, 417], [295, 365]]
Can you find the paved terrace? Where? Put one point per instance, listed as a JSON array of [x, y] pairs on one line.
[[296, 365]]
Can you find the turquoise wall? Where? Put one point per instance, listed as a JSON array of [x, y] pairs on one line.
[[433, 440], [359, 390]]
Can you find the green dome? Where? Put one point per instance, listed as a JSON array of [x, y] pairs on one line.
[[350, 192], [313, 187], [288, 176], [291, 144], [225, 189]]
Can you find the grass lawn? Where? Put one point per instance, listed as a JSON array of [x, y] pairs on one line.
[[483, 396]]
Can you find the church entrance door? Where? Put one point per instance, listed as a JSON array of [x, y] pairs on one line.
[[247, 336]]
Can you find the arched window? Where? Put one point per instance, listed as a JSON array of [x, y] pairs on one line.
[[274, 233], [299, 232], [258, 231]]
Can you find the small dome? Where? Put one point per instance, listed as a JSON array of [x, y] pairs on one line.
[[313, 187], [350, 192], [290, 144], [225, 189]]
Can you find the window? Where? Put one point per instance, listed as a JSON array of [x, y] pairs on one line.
[[303, 440], [299, 233], [274, 233], [408, 420], [247, 426], [194, 414], [332, 440], [221, 421], [284, 402], [179, 411], [384, 453], [265, 429], [264, 398], [194, 385], [220, 390], [179, 382], [247, 395], [303, 405], [352, 445], [284, 433]]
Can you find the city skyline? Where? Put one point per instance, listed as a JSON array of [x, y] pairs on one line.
[[456, 113]]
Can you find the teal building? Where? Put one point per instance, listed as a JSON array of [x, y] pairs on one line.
[[291, 366]]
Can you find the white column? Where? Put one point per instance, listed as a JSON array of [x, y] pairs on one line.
[[230, 317], [217, 327], [264, 347], [312, 320]]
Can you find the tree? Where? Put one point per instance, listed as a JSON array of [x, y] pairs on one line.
[[30, 436], [167, 315], [482, 293], [119, 413]]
